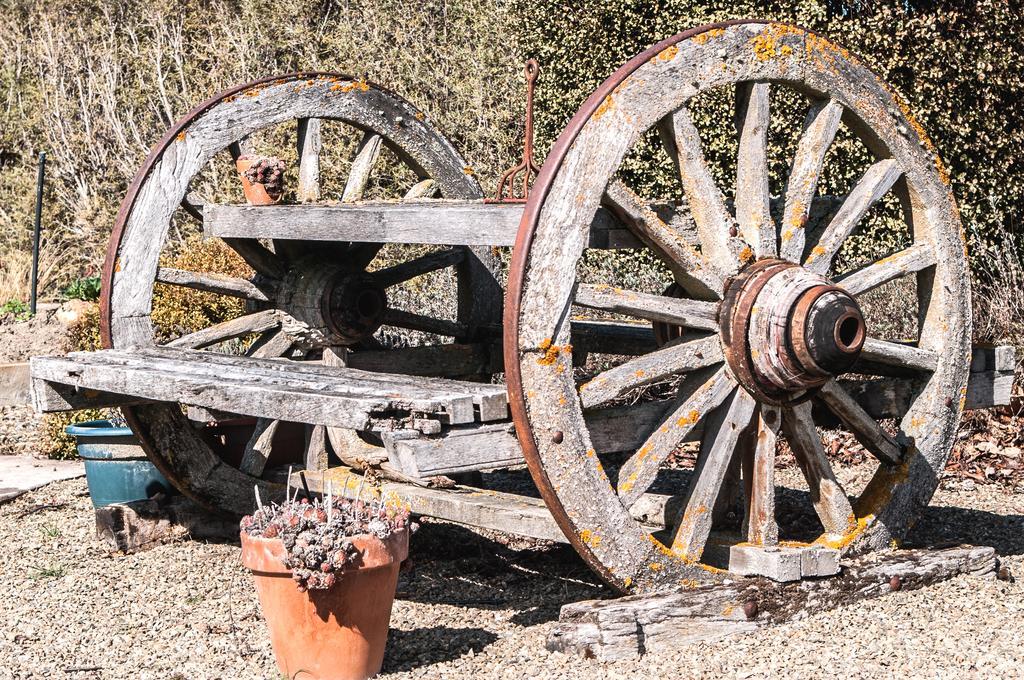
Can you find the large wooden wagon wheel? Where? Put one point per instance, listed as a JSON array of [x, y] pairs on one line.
[[306, 298], [759, 324]]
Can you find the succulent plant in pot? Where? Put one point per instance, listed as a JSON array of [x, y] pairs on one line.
[[326, 572], [262, 178]]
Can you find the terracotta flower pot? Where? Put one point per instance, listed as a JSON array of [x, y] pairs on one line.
[[255, 194], [333, 634]]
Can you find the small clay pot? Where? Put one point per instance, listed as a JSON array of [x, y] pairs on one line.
[[333, 634], [255, 194]]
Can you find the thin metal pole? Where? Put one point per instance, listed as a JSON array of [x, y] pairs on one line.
[[38, 229]]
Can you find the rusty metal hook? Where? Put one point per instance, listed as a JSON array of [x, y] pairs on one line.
[[527, 167]]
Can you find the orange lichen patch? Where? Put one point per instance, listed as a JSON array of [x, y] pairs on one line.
[[788, 234], [117, 265], [667, 54], [181, 136], [655, 566], [728, 609], [468, 171], [689, 583], [628, 581], [607, 105], [639, 373], [644, 451], [689, 418], [420, 115], [591, 453], [551, 352], [746, 255], [561, 400], [840, 542], [590, 538], [768, 44], [708, 35]]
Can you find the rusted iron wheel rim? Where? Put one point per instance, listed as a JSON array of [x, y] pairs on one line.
[[579, 175], [161, 184]]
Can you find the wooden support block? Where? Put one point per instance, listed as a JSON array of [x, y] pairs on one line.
[[778, 564], [634, 625], [142, 525]]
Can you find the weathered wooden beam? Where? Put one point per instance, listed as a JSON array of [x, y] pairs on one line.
[[142, 525], [632, 626], [481, 508]]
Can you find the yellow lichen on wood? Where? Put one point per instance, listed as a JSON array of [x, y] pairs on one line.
[[708, 35], [667, 54]]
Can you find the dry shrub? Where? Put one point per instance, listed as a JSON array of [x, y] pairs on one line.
[[178, 310]]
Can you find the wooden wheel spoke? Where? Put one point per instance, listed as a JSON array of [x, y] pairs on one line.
[[691, 268], [868, 432], [425, 324], [877, 180], [258, 322], [308, 145], [705, 199], [274, 343], [257, 256], [425, 188], [897, 354], [913, 259], [193, 206], [639, 471], [257, 450], [759, 523], [678, 311], [722, 431], [827, 496], [405, 271], [650, 368], [366, 157], [212, 283], [820, 128], [753, 207], [316, 457]]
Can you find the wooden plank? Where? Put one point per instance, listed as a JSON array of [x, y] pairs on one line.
[[435, 221], [877, 180], [510, 513], [268, 388], [611, 337], [662, 623], [455, 450], [721, 435], [316, 458], [449, 360], [142, 525], [212, 283], [671, 360], [753, 196], [678, 311], [820, 128]]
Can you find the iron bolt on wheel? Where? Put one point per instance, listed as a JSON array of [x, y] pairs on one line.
[[767, 327]]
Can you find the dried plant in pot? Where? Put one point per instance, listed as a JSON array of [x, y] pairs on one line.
[[262, 178], [326, 572]]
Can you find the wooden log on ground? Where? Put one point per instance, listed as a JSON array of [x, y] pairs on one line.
[[142, 525], [631, 626]]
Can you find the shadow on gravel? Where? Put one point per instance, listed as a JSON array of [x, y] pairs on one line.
[[411, 649], [455, 566], [943, 525]]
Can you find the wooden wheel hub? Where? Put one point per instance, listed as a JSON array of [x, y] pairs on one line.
[[787, 330], [335, 305]]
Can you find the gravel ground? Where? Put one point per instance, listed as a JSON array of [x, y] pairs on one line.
[[471, 607], [20, 433]]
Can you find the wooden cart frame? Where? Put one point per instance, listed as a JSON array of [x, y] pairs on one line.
[[758, 338]]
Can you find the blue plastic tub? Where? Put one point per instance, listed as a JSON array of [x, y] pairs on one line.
[[116, 467]]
